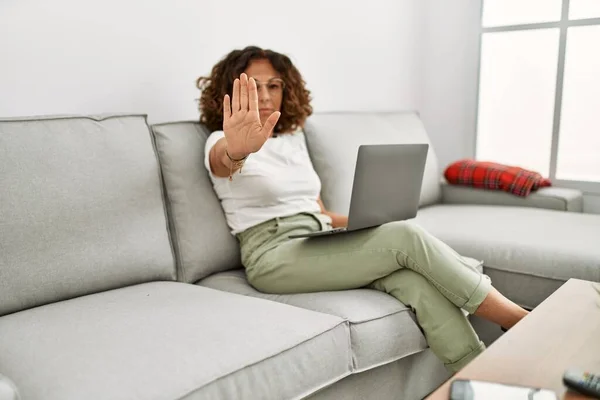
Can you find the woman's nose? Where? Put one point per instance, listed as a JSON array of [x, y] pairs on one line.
[[263, 93]]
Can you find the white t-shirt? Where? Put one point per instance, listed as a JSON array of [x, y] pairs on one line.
[[277, 181]]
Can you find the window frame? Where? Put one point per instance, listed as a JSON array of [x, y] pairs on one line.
[[563, 24]]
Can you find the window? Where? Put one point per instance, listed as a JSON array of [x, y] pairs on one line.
[[539, 88], [515, 12], [579, 137]]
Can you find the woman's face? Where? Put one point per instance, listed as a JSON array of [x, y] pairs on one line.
[[270, 87]]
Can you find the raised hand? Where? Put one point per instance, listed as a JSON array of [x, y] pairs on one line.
[[241, 120]]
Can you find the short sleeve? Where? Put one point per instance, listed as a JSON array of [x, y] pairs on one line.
[[210, 142]]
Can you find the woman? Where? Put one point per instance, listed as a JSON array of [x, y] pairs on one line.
[[262, 173]]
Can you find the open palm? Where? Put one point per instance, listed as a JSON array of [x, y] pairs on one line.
[[241, 121]]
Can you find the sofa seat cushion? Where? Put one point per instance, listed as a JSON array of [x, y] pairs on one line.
[[382, 329], [528, 253], [169, 340]]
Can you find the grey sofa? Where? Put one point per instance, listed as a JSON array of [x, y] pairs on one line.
[[119, 278]]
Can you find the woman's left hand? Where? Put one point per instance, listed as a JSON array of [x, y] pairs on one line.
[[337, 220]]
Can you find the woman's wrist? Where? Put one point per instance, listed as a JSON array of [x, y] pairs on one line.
[[337, 220], [235, 157], [231, 162], [234, 154]]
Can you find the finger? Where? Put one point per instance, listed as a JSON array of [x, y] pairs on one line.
[[235, 100], [226, 108], [252, 95], [270, 123], [244, 92]]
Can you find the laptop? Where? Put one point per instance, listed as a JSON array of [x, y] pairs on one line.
[[387, 186]]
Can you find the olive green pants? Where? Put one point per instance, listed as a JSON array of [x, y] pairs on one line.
[[398, 258]]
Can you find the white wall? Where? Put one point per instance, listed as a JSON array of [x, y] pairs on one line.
[[450, 55], [75, 56]]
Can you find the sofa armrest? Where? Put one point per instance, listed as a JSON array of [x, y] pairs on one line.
[[551, 198], [8, 390]]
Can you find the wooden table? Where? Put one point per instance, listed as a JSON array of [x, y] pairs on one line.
[[562, 332]]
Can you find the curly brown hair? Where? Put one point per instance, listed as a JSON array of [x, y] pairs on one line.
[[295, 106]]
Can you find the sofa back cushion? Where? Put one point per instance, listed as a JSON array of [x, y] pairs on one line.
[[81, 209], [202, 240], [333, 140]]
